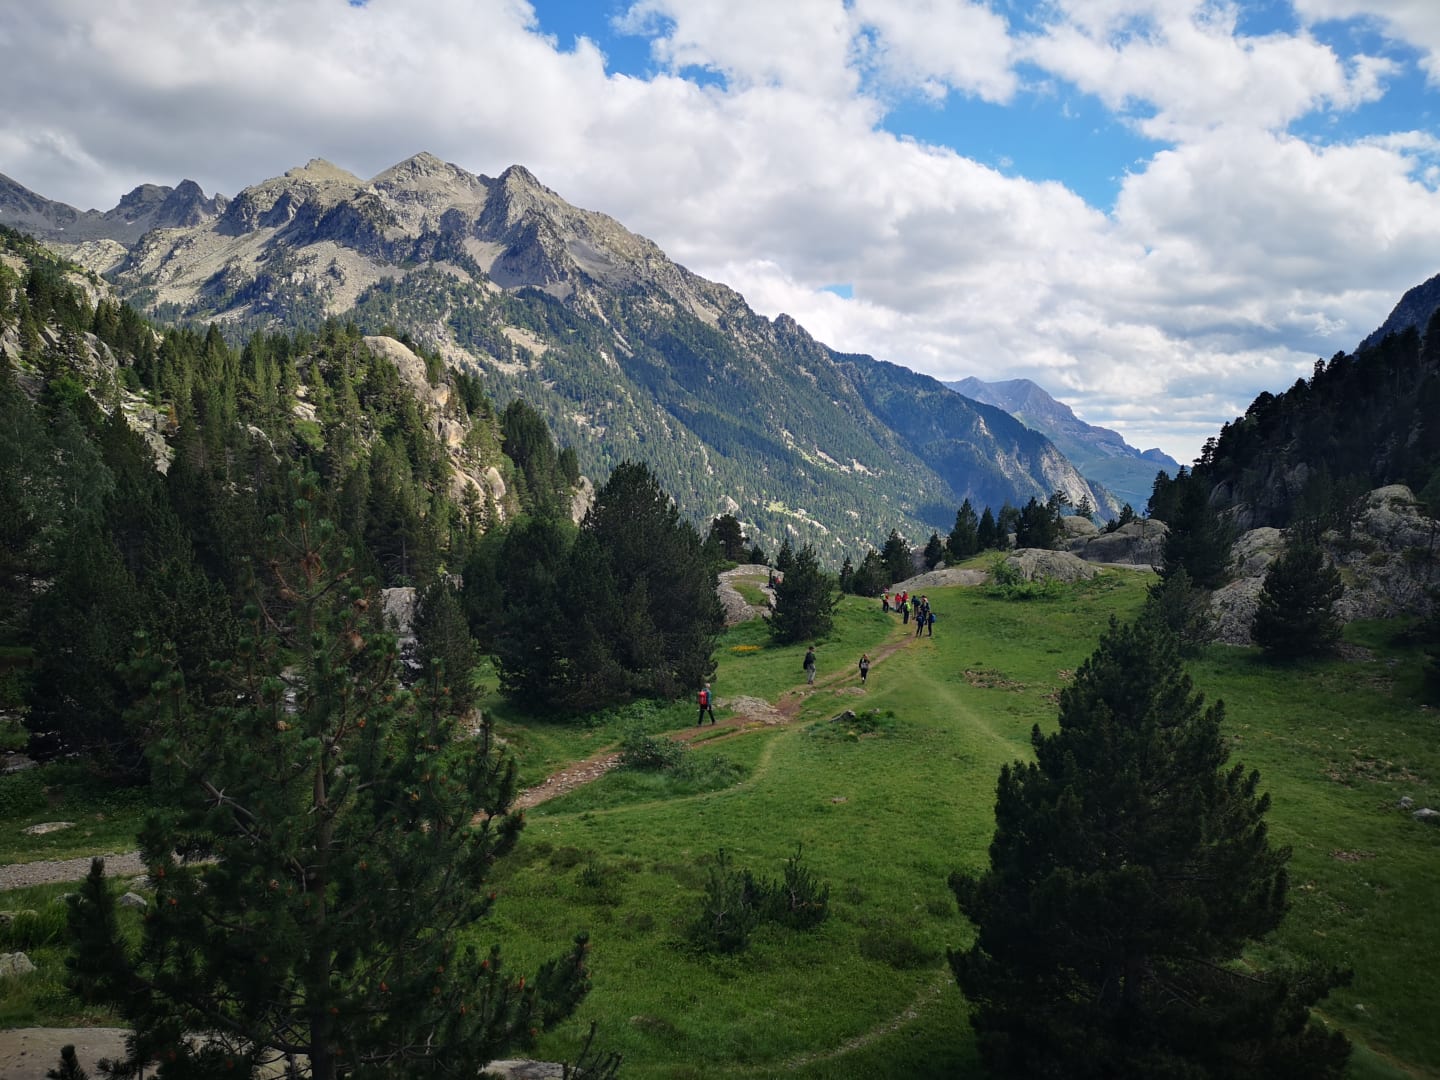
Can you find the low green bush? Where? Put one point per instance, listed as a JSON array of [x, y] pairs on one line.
[[654, 753], [736, 903]]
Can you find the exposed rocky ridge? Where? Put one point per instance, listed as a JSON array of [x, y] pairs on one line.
[[1413, 311], [1390, 564], [149, 206], [1100, 454], [625, 353]]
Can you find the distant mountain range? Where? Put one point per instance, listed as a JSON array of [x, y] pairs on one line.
[[1101, 454], [625, 353]]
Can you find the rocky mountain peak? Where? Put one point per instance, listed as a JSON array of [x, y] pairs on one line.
[[144, 199]]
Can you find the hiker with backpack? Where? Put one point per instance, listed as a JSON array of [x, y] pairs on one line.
[[809, 665], [864, 667], [706, 705]]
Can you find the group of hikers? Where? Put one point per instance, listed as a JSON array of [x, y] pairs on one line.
[[902, 602], [907, 605]]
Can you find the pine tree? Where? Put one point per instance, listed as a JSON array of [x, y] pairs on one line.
[[351, 829], [726, 531], [1199, 539], [785, 557], [1295, 615], [899, 564], [934, 551], [805, 601], [442, 636], [1184, 609], [987, 534], [964, 539], [1128, 871]]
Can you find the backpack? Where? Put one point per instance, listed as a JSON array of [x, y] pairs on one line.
[[704, 699]]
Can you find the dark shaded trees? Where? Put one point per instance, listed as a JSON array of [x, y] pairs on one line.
[[726, 533], [1129, 869], [934, 551], [1295, 615], [351, 831], [895, 554], [667, 617], [1199, 538], [987, 533], [625, 608], [804, 601], [964, 538]]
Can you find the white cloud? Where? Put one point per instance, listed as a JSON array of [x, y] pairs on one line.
[[1415, 22], [1180, 69], [1231, 259]]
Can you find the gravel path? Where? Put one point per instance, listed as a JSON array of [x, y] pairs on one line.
[[48, 871]]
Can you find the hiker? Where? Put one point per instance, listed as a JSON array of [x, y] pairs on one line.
[[904, 613], [706, 705], [864, 667], [929, 624], [809, 665], [922, 616], [885, 601]]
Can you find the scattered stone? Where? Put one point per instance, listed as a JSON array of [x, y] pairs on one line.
[[134, 900], [1427, 816], [13, 763], [8, 917], [47, 827], [838, 799], [1351, 856], [13, 964], [525, 1070], [846, 717], [1406, 802]]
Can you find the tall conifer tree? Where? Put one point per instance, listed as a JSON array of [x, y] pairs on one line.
[[1129, 869], [351, 831]]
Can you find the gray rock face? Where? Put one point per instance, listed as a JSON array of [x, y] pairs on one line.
[[1077, 527], [1234, 609], [737, 608], [1139, 543], [1255, 551], [14, 964], [1036, 564], [134, 900], [1389, 563], [1427, 816]]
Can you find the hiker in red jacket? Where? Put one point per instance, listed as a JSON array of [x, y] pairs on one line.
[[706, 701]]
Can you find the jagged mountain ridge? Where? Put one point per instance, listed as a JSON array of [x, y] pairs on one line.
[[147, 207], [1101, 454], [627, 354]]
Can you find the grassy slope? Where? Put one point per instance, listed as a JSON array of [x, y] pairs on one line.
[[885, 818]]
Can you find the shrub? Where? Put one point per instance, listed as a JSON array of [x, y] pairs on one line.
[[736, 902], [730, 911], [799, 900], [654, 753]]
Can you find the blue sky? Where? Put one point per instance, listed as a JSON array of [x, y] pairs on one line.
[[1155, 209]]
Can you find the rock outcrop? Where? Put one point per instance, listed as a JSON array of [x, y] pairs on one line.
[[1038, 564], [1140, 543], [1389, 562]]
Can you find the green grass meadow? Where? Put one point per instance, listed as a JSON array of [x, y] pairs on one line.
[[885, 809]]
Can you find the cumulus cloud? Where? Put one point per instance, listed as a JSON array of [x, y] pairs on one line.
[[755, 150], [1415, 22]]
